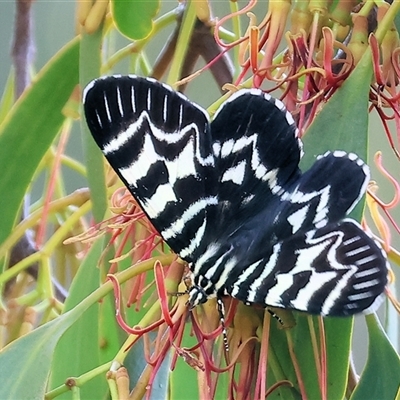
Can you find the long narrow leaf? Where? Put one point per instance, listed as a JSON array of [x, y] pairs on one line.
[[30, 128], [381, 376], [25, 363]]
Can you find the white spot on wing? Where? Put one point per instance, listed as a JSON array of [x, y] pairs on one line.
[[217, 149], [243, 142], [119, 102], [297, 218], [351, 240], [165, 108], [357, 250], [359, 296], [157, 202], [365, 260], [363, 285], [99, 119], [107, 107], [235, 173], [363, 274], [133, 99], [338, 153], [227, 147], [180, 115], [148, 99], [289, 119], [279, 105], [247, 199], [353, 156]]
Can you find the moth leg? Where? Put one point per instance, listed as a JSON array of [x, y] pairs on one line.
[[275, 316], [221, 312]]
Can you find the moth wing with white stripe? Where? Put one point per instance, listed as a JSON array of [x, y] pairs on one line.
[[256, 151], [280, 227], [298, 252], [159, 144], [326, 193], [230, 198], [257, 162], [336, 270]]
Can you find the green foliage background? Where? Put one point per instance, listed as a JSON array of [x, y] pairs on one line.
[[68, 345]]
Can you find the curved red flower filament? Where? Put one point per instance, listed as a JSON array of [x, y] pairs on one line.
[[376, 60], [261, 383], [392, 298], [384, 118], [179, 336], [396, 198], [295, 363], [134, 331], [379, 222], [374, 202], [162, 293], [221, 21]]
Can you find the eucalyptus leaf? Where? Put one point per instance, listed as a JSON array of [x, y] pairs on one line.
[[381, 376], [78, 350], [30, 128]]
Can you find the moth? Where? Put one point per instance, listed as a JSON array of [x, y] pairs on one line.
[[229, 198]]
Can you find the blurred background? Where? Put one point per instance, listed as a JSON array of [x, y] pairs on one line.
[[54, 26]]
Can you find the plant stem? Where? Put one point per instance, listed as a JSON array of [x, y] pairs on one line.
[[185, 33]]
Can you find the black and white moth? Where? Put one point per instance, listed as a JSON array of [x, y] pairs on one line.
[[228, 197]]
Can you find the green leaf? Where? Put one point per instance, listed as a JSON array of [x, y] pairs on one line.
[[7, 99], [111, 335], [134, 18], [338, 342], [89, 68], [78, 351], [30, 128], [280, 362], [25, 363], [28, 360], [381, 376], [343, 122], [136, 364], [338, 333]]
